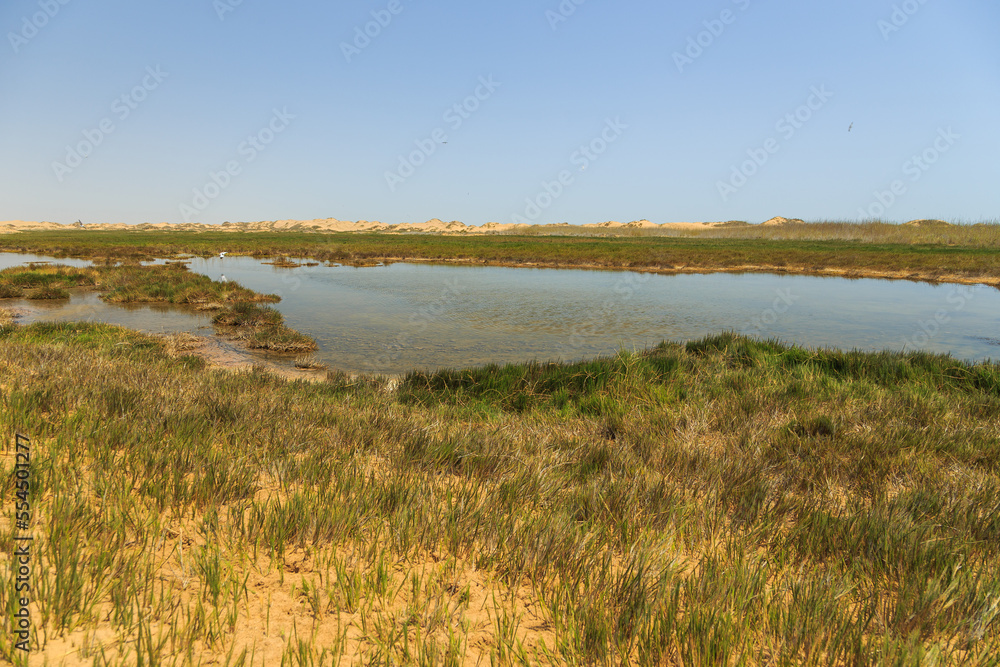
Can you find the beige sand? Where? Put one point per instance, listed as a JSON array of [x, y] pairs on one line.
[[780, 221], [23, 226], [433, 226]]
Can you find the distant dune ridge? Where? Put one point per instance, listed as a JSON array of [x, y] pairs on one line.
[[434, 226], [781, 221]]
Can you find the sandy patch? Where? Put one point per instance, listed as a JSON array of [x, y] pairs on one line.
[[689, 226], [232, 356], [778, 220], [325, 596]]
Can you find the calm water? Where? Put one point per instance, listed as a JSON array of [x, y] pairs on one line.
[[395, 318]]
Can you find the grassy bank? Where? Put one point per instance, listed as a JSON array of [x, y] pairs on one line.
[[721, 502], [238, 309], [925, 256]]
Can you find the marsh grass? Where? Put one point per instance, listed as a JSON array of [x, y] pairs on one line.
[[248, 314], [171, 283], [922, 252], [262, 328], [284, 262], [275, 338], [42, 281], [46, 293], [310, 363], [721, 502]]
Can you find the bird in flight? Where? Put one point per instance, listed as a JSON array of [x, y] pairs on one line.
[[849, 129], [222, 255]]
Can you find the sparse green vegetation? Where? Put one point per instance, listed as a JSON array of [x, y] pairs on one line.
[[725, 501]]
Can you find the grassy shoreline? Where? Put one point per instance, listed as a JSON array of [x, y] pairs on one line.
[[723, 501], [977, 261]]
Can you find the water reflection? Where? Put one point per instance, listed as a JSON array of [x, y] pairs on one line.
[[86, 306]]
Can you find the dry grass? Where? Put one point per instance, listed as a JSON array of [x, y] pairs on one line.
[[310, 363], [284, 263], [723, 502], [178, 343], [917, 232]]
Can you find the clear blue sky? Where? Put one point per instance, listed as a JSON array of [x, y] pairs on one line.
[[678, 128]]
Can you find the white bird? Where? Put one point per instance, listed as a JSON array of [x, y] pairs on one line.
[[223, 278], [222, 255]]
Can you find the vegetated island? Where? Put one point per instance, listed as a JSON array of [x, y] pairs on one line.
[[925, 250]]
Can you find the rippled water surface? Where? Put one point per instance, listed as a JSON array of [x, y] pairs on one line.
[[394, 318]]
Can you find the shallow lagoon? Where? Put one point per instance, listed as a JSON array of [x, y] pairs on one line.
[[391, 319]]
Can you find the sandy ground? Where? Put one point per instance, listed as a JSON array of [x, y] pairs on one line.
[[233, 356], [434, 226]]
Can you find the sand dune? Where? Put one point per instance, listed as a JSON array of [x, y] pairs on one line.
[[22, 225], [432, 226], [781, 221]]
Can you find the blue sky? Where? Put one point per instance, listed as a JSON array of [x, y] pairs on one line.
[[216, 110]]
